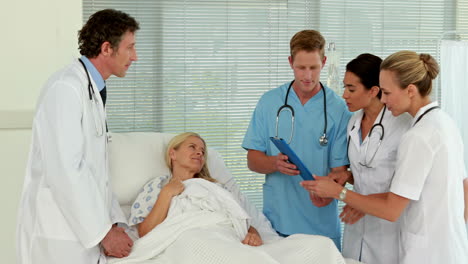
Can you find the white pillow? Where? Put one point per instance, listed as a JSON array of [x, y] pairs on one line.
[[134, 159], [137, 157]]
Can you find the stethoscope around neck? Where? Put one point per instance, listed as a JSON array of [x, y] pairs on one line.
[[367, 163], [92, 98], [323, 140]]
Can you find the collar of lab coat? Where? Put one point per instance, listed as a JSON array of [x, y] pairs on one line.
[[95, 75], [354, 132], [422, 110]]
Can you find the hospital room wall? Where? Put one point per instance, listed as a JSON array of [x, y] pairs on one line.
[[38, 38]]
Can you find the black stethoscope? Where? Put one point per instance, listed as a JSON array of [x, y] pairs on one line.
[[92, 97], [323, 140], [378, 125], [425, 112], [90, 86]]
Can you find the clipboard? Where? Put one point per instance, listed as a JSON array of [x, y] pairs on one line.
[[292, 157]]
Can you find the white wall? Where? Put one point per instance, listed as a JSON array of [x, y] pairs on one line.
[[38, 38]]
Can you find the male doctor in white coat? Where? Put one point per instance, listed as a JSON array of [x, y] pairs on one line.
[[68, 213]]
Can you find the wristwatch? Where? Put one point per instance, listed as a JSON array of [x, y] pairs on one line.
[[342, 194]]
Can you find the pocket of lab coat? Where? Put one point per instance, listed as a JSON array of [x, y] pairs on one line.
[[51, 222], [410, 240]]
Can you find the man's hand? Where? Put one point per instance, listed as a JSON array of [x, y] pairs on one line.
[[283, 166], [117, 243], [252, 238], [341, 176], [319, 201]]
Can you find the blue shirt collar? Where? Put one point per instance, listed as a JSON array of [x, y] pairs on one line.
[[94, 73]]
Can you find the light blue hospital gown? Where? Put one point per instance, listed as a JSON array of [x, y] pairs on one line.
[[146, 198]]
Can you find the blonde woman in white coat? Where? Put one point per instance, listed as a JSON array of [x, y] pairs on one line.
[[429, 190], [67, 212], [370, 239]]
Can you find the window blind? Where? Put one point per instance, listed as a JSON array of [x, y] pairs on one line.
[[203, 65]]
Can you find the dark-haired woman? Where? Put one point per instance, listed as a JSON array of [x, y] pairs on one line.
[[370, 239]]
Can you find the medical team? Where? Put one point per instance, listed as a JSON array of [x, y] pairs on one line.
[[399, 150], [428, 190]]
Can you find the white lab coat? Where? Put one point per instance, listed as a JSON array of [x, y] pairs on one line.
[[430, 172], [371, 239], [67, 206]]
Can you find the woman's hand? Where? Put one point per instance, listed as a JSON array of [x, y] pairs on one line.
[[285, 167], [316, 199], [351, 215], [173, 188], [324, 187], [159, 212], [252, 238]]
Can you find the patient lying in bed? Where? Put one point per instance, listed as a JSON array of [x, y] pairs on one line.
[[188, 217]]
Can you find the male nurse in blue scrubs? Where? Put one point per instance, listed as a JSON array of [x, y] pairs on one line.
[[286, 204]]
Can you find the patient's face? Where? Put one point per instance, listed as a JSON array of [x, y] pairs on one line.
[[190, 155]]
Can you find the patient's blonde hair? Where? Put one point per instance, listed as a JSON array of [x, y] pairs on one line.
[[175, 144], [412, 68]]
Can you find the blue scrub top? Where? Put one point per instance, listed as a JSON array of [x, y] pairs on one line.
[[286, 204]]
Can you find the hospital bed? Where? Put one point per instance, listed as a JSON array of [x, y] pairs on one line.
[[137, 157]]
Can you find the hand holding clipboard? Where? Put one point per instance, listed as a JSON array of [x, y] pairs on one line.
[[292, 157]]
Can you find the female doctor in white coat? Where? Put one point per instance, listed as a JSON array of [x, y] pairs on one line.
[[430, 187], [67, 212], [370, 239]]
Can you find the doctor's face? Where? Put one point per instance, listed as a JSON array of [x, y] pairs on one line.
[[122, 58], [395, 97], [307, 67], [355, 94], [190, 155]]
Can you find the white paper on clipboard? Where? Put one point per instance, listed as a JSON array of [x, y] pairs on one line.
[[293, 158]]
